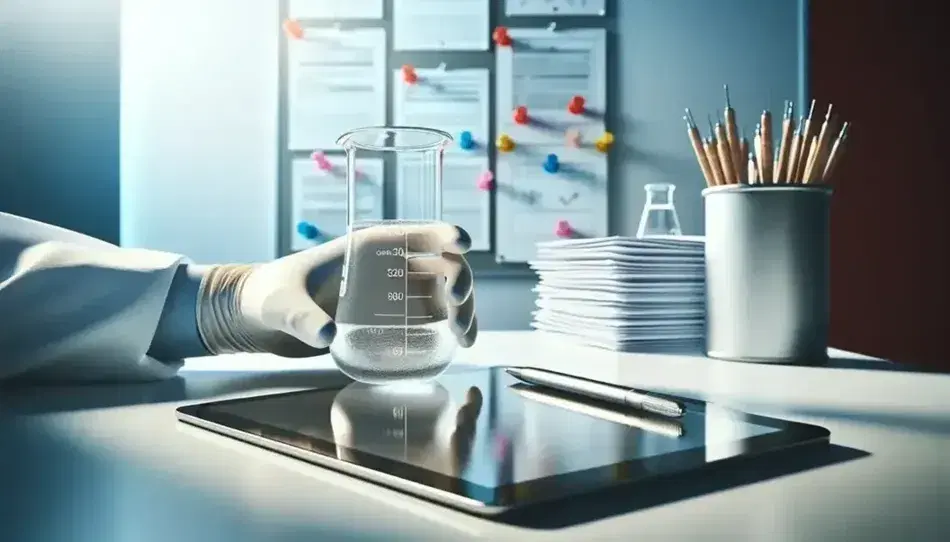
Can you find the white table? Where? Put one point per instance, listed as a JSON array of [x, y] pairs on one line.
[[112, 464]]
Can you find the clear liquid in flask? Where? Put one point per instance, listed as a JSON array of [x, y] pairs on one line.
[[392, 315]]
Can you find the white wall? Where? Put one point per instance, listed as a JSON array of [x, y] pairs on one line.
[[199, 127]]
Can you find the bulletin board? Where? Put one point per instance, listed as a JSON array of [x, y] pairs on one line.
[[524, 64]]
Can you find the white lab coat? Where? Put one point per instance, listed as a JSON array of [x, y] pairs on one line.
[[76, 308]]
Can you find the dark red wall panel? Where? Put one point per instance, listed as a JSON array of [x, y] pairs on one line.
[[882, 65]]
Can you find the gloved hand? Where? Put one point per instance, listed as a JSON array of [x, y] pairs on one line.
[[286, 307]]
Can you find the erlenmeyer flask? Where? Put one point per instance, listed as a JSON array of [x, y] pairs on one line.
[[659, 214], [392, 313]]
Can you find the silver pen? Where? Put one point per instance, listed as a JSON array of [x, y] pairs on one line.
[[597, 390]]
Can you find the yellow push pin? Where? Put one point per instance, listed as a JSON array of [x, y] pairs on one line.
[[604, 142], [505, 143]]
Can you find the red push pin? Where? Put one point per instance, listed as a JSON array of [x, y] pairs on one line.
[[521, 115], [409, 74], [293, 29], [321, 161], [563, 229], [576, 105], [501, 37]]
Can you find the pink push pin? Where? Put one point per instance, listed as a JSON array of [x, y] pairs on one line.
[[563, 229], [573, 138], [320, 159], [486, 181]]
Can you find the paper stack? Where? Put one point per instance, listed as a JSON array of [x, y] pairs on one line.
[[623, 293]]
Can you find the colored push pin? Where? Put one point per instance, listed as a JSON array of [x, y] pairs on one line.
[[576, 105], [308, 231], [505, 143], [465, 140], [604, 142], [563, 229], [520, 115], [320, 159], [501, 37], [486, 181], [573, 138], [551, 164], [409, 74], [293, 29]]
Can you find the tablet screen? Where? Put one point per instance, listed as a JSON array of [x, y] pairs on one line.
[[477, 431]]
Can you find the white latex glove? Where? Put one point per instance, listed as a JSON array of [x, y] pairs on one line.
[[287, 306]]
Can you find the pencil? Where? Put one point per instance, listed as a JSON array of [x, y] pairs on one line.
[[693, 132], [790, 171], [817, 166], [752, 170], [757, 148], [744, 149], [788, 126], [835, 155], [714, 163], [812, 150], [732, 136], [725, 155], [803, 148], [767, 160], [723, 176]]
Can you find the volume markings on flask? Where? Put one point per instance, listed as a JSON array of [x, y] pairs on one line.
[[392, 319]]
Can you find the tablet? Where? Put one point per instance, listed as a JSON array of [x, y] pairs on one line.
[[481, 442]]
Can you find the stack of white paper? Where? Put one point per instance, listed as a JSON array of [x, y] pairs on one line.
[[622, 293]]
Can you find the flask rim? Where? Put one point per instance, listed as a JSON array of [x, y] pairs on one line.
[[374, 138]]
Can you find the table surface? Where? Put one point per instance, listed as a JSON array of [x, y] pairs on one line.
[[111, 463]]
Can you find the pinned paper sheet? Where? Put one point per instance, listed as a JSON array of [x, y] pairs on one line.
[[555, 8], [440, 25], [454, 101], [463, 201], [336, 81], [552, 160], [336, 9], [319, 195]]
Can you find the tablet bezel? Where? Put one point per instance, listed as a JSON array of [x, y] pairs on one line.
[[475, 498]]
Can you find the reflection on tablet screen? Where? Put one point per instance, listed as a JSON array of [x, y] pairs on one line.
[[484, 428]]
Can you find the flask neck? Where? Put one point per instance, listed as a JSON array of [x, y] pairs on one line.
[[660, 194]]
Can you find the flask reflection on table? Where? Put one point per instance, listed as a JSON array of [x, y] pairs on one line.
[[418, 424]]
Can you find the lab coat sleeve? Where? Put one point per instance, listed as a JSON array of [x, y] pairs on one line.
[[76, 308]]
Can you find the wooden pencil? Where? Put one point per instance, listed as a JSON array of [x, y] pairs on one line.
[[835, 155], [817, 166], [791, 170], [767, 160], [714, 164], [725, 155], [812, 150], [697, 141], [803, 148], [757, 148], [732, 136], [784, 148], [752, 169], [744, 149]]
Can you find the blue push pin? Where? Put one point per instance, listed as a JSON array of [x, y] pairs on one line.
[[551, 164], [465, 140], [308, 230]]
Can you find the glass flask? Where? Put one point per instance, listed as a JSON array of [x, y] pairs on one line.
[[659, 217], [392, 316]]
